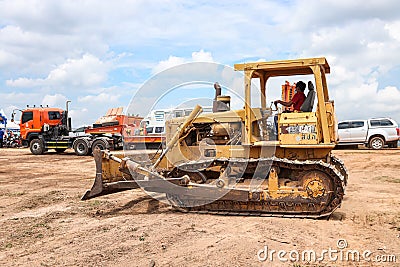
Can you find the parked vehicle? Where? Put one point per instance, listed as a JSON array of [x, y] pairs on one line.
[[44, 128], [373, 133]]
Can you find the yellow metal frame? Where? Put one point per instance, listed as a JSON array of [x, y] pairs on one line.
[[306, 124], [264, 70]]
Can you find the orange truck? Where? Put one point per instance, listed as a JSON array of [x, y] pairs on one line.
[[44, 128]]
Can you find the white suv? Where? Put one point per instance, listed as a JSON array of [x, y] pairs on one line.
[[373, 133]]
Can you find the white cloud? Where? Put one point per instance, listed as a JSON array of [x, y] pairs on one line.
[[81, 117], [338, 13], [202, 56], [366, 100], [75, 73], [102, 98], [56, 100], [24, 82], [172, 61], [16, 100], [7, 58], [394, 29]]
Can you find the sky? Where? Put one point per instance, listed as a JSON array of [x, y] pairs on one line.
[[100, 54]]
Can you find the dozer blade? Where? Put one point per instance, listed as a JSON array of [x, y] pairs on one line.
[[114, 175], [110, 178]]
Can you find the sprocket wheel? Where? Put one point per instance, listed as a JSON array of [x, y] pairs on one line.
[[317, 184]]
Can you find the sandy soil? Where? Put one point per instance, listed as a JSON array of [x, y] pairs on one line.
[[44, 223]]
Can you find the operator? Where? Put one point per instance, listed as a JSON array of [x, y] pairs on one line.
[[297, 99]]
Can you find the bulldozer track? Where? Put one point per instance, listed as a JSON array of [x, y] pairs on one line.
[[294, 208], [339, 164]]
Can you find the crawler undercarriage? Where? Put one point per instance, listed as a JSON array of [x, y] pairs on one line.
[[264, 186]]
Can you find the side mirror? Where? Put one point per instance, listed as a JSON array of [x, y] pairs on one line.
[[13, 114]]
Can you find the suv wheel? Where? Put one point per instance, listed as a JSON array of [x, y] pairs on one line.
[[376, 143]]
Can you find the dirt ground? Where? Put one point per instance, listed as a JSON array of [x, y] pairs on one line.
[[43, 222]]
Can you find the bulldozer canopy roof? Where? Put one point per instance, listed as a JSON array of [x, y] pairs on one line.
[[284, 67]]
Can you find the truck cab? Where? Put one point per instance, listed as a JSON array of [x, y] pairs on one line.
[[35, 121]]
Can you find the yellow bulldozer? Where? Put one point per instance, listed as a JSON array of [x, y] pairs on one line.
[[237, 161]]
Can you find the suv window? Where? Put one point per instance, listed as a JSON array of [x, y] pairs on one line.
[[54, 115], [357, 124], [27, 116], [384, 122], [344, 125], [375, 123]]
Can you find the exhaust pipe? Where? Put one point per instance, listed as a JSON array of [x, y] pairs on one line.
[[68, 120], [220, 103]]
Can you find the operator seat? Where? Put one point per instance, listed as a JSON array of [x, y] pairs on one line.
[[308, 103]]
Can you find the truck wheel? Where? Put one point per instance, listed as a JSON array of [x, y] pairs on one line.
[[376, 143], [100, 144], [36, 146], [60, 150], [81, 148]]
